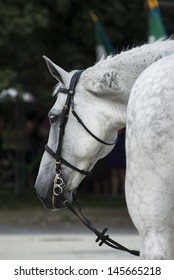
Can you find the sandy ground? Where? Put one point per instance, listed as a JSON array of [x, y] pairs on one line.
[[41, 234]]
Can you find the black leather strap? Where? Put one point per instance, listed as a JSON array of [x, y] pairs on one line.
[[74, 80], [82, 171], [102, 238], [64, 117], [93, 135], [63, 161]]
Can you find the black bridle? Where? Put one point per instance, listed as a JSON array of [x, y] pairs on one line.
[[59, 187], [69, 103]]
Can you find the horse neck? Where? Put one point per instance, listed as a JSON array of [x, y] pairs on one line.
[[117, 74]]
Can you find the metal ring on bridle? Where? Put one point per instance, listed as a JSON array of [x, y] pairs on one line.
[[58, 180], [57, 190]]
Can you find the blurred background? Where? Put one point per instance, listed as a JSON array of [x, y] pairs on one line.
[[74, 34]]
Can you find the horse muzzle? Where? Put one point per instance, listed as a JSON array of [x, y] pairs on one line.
[[54, 200], [60, 199]]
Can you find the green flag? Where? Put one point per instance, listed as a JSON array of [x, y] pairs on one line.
[[156, 26], [104, 46]]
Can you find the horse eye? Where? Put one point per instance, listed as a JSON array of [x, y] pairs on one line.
[[53, 118]]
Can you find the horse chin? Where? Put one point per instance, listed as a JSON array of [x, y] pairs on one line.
[[55, 202], [59, 202]]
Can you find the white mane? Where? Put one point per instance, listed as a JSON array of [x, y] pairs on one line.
[[126, 58], [134, 51]]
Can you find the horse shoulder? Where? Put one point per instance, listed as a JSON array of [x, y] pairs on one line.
[[150, 157]]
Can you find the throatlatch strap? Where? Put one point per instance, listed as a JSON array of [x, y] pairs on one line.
[[93, 135]]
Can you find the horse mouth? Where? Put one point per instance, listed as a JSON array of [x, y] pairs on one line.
[[55, 202]]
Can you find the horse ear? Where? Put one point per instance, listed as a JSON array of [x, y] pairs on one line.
[[57, 72]]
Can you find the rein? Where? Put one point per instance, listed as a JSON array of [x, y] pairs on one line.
[[59, 188], [102, 238]]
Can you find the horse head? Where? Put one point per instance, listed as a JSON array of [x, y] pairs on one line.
[[87, 135]]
